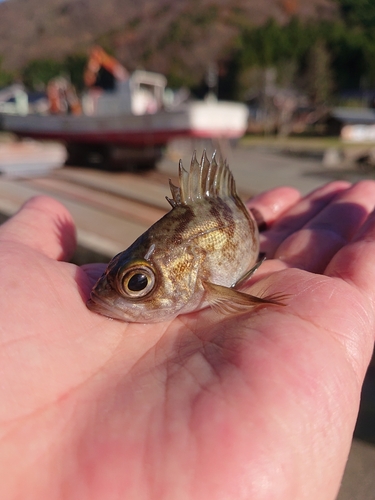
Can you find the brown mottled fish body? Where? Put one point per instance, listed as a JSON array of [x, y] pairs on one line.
[[189, 259]]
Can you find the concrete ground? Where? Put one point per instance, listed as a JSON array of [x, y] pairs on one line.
[[258, 168]]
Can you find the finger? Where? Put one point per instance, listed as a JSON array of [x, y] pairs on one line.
[[355, 262], [299, 214], [94, 271], [43, 224], [312, 247], [269, 206]]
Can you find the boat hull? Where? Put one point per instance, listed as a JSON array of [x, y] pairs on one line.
[[197, 119]]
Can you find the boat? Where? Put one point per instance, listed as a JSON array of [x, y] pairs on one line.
[[130, 122], [30, 158]]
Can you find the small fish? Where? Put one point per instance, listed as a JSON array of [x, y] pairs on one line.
[[193, 257]]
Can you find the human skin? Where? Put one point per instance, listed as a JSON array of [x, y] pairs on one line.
[[256, 406]]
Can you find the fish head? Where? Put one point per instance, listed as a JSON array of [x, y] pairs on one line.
[[149, 288]]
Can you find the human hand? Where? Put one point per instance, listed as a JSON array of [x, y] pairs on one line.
[[260, 405]]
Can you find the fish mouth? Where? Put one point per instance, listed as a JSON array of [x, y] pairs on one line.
[[99, 306], [102, 300]]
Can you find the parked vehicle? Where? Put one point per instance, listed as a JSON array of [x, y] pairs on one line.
[[129, 123]]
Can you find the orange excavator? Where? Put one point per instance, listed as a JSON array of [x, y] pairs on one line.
[[101, 72], [98, 61]]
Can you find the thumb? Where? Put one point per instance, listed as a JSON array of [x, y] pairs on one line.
[[43, 224]]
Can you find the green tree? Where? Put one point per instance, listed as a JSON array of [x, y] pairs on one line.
[[6, 78], [358, 12], [319, 82], [74, 66], [369, 58], [39, 72], [348, 47]]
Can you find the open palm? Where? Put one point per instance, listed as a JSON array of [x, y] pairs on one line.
[[256, 406]]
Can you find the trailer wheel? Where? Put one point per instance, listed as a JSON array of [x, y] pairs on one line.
[[85, 155], [113, 158]]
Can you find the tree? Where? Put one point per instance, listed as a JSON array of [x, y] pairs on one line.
[[6, 78], [74, 66], [39, 72], [358, 12], [319, 81]]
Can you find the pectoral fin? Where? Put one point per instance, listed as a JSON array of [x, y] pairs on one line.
[[229, 301]]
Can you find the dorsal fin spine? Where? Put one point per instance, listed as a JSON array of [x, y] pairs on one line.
[[206, 179], [195, 178], [184, 183], [176, 192]]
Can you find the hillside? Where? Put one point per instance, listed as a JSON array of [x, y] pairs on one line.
[[154, 34]]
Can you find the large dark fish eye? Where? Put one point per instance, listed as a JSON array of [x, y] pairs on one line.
[[137, 281]]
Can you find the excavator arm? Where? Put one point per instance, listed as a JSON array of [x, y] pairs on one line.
[[100, 59]]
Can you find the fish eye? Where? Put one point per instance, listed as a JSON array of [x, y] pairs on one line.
[[137, 282]]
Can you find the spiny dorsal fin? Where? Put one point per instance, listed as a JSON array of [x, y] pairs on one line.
[[206, 179]]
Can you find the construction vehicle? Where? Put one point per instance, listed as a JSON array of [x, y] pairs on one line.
[[125, 122]]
